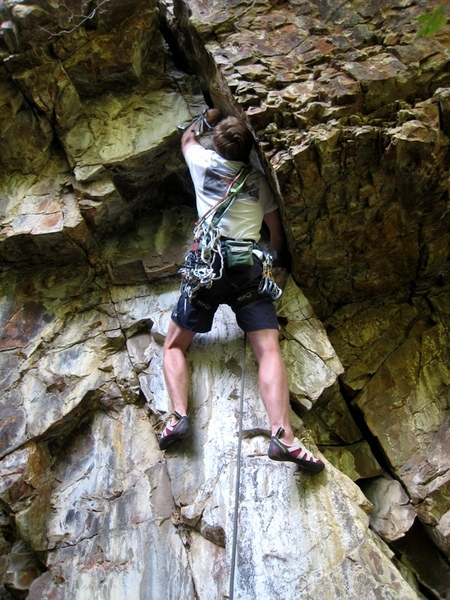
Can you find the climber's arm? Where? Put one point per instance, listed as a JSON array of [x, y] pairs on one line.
[[273, 222], [193, 132]]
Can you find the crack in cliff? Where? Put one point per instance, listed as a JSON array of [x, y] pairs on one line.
[[141, 325], [82, 20]]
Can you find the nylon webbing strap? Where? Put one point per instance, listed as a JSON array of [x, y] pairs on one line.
[[238, 474], [231, 194], [229, 197]]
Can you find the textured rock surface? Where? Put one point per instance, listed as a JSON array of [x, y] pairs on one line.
[[351, 111]]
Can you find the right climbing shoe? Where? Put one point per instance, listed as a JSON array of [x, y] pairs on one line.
[[173, 433], [295, 453]]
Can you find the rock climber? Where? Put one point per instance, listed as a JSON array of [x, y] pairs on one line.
[[212, 171]]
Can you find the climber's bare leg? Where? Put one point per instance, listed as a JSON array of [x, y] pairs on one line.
[[175, 367], [273, 381]]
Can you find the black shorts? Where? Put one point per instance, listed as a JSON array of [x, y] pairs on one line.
[[238, 289]]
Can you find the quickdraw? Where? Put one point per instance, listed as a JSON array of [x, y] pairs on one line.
[[268, 285], [200, 124]]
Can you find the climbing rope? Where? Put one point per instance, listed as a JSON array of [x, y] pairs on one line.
[[238, 474]]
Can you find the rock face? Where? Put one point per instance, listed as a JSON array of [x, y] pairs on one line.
[[351, 110]]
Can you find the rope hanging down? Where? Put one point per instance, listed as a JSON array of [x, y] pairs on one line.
[[238, 474]]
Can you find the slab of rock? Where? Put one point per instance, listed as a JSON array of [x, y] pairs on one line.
[[393, 513]]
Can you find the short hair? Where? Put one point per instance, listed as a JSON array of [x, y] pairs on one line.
[[233, 139]]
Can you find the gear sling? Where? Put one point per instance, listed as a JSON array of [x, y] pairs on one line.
[[198, 271]]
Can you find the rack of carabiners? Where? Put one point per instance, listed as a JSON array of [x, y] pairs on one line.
[[198, 270], [268, 285]]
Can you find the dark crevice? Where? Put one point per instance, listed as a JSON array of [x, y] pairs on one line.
[[366, 432], [173, 42], [417, 552], [415, 549], [20, 565]]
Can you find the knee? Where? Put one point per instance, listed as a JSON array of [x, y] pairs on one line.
[[173, 346], [177, 340], [268, 353]]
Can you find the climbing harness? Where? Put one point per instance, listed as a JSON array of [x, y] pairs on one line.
[[238, 474], [198, 270]]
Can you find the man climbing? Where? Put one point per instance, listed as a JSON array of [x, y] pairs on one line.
[[213, 171]]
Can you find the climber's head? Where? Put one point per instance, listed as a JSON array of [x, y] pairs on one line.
[[232, 139]]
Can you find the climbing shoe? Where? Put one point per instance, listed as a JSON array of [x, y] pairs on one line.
[[295, 453], [173, 433]]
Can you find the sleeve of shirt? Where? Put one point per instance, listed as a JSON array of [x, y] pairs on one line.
[[197, 159]]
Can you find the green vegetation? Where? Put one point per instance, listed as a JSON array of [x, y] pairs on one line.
[[431, 22]]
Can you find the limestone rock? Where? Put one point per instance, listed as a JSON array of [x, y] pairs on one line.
[[410, 392], [393, 514], [27, 129], [351, 112], [310, 359]]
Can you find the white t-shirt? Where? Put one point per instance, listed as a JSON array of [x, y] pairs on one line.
[[211, 175]]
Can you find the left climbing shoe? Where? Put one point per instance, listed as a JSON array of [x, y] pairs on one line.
[[295, 453], [173, 433]]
